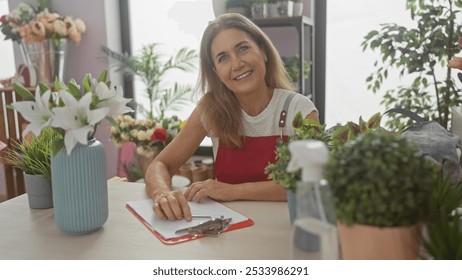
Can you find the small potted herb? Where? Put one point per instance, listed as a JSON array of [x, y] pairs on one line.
[[33, 157]]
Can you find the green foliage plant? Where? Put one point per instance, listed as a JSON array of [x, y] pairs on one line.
[[310, 129], [351, 130], [151, 69], [34, 156], [380, 179], [304, 129], [420, 53], [443, 238], [292, 65]]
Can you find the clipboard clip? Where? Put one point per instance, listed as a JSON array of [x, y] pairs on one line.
[[212, 227]]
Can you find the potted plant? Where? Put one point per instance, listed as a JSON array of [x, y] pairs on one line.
[[298, 8], [310, 129], [292, 65], [259, 8], [277, 171], [381, 187], [33, 157]]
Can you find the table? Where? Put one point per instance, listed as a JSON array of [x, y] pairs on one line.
[[27, 233]]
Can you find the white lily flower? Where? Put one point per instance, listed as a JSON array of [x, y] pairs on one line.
[[77, 119], [111, 98], [37, 113]]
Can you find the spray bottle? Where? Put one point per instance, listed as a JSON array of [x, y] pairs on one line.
[[314, 228]]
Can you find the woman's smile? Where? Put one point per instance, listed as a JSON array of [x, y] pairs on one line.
[[243, 75]]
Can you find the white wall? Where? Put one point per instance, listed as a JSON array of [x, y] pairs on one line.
[[347, 66]]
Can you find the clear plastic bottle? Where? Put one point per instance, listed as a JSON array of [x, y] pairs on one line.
[[314, 231]]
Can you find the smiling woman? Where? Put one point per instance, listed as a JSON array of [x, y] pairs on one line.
[[245, 90]]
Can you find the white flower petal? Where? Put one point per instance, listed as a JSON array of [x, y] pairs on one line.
[[103, 92], [68, 98], [69, 142], [66, 118], [97, 115], [72, 137]]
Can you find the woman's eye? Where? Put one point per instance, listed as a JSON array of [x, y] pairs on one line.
[[222, 58], [242, 48]]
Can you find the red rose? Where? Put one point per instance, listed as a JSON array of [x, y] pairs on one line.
[[160, 134], [3, 19]]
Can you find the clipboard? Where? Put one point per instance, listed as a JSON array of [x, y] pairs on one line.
[[164, 230]]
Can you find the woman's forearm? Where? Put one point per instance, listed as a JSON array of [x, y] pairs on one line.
[[157, 179]]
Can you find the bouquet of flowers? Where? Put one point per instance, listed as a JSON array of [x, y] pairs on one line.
[[149, 135], [74, 111], [35, 24]]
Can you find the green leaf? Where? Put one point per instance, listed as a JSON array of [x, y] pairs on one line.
[[43, 87], [103, 76], [374, 121], [74, 90], [87, 82], [25, 94], [58, 86], [298, 120]]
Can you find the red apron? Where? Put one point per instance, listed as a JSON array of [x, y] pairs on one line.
[[246, 164]]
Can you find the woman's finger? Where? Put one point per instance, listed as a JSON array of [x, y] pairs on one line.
[[175, 207], [200, 194], [191, 191], [165, 206], [184, 205], [158, 211]]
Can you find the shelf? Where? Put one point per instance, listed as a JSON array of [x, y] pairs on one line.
[[305, 41], [311, 42], [283, 21]]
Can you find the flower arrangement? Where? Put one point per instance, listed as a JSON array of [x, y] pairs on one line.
[[152, 134], [74, 111], [149, 135], [34, 24]]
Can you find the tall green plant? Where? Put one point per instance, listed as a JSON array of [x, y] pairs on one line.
[[151, 69], [420, 52]]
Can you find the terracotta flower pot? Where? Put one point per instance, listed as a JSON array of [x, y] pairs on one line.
[[364, 242]]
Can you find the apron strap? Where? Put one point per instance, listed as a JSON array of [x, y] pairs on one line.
[[283, 115]]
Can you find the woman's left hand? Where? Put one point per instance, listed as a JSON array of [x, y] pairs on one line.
[[209, 188]]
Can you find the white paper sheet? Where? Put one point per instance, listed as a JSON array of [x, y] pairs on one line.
[[167, 229]]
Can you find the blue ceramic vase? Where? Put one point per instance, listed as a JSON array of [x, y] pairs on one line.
[[80, 196]]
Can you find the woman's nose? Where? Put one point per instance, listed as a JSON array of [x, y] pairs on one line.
[[237, 62]]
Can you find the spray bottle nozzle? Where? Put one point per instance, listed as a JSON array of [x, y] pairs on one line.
[[309, 155]]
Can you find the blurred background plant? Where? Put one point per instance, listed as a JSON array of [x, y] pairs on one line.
[[151, 69], [421, 54]]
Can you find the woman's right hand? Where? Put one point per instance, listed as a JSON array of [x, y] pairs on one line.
[[171, 205]]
